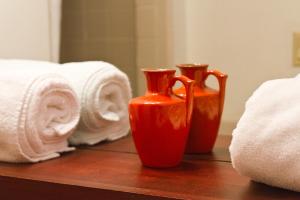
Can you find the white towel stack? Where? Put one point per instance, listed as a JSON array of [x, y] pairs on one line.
[[38, 112], [39, 109], [104, 93], [266, 141]]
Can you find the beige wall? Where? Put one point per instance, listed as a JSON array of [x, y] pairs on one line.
[[100, 30], [249, 40], [153, 37], [26, 30], [161, 35]]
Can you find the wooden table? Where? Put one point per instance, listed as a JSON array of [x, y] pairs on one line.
[[113, 171]]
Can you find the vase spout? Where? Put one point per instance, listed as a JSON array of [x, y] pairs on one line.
[[158, 80]]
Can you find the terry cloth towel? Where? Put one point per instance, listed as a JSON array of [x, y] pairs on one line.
[[266, 141], [104, 92], [38, 112]]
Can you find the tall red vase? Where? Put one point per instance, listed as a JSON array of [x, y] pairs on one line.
[[208, 107], [160, 120]]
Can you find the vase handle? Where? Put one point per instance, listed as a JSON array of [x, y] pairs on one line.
[[189, 97], [222, 85]]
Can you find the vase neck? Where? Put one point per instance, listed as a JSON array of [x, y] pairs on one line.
[[197, 73], [158, 81]]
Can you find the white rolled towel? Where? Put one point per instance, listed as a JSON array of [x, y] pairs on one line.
[[38, 112], [266, 142], [104, 92]]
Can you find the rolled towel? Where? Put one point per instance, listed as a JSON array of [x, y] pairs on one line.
[[266, 141], [38, 112], [104, 92]]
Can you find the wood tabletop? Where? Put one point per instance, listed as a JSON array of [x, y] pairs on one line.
[[113, 171]]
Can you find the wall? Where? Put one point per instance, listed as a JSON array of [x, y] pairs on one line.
[[25, 29], [100, 30], [249, 40], [161, 36], [153, 37]]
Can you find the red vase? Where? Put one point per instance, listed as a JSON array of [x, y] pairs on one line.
[[208, 107], [160, 120]]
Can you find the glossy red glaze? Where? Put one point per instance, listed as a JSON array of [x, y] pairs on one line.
[[160, 120], [208, 107]]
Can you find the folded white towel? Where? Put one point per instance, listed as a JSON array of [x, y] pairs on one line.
[[38, 112], [266, 141], [104, 92]]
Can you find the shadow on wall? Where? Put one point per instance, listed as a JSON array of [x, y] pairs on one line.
[[100, 30]]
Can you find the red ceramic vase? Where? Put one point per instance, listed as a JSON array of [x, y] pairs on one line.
[[208, 107], [160, 120]]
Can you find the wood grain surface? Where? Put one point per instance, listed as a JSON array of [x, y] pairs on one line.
[[113, 171]]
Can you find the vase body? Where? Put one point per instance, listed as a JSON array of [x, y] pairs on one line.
[[160, 120], [208, 107]]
